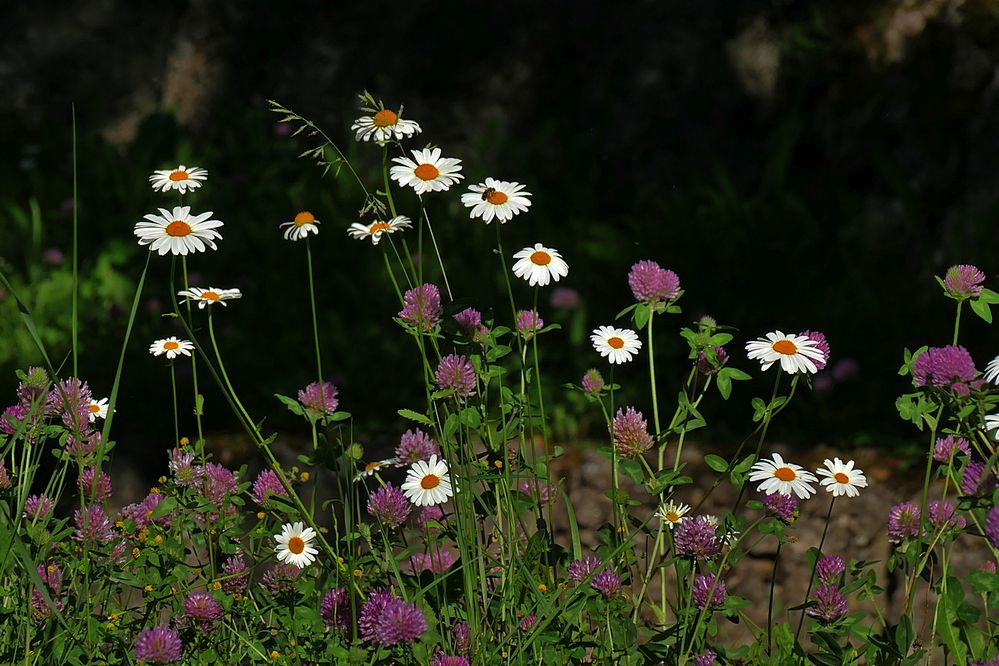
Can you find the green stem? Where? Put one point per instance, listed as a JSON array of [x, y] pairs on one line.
[[957, 322], [173, 390], [76, 280], [198, 401], [652, 385], [315, 319], [811, 576], [770, 604]]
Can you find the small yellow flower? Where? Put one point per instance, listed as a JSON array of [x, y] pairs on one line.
[[135, 552], [261, 515], [173, 589], [51, 568], [543, 587], [114, 616], [357, 573], [143, 535], [292, 643], [339, 559], [305, 476], [110, 626], [275, 655], [158, 540], [184, 441], [294, 469], [148, 588], [154, 490], [503, 654], [216, 585], [498, 464], [119, 523]]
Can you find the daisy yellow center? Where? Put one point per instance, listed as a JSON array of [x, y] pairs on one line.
[[841, 477], [178, 228], [372, 466], [210, 295], [785, 474], [785, 347], [171, 345], [430, 481], [179, 175], [94, 408], [672, 516], [495, 197], [426, 172], [296, 545], [385, 118], [303, 218], [541, 258], [379, 226], [615, 342]]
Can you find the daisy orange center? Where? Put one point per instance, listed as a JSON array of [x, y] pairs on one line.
[[385, 118], [430, 481], [210, 295], [94, 408], [785, 347], [785, 474], [379, 226], [496, 198], [426, 172], [178, 228], [372, 466], [672, 516], [296, 545], [305, 217], [171, 345], [615, 342], [179, 175], [541, 258], [841, 477]]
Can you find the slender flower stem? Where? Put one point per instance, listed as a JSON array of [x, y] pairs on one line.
[[315, 319], [176, 421], [437, 251], [198, 402], [76, 245], [811, 576], [652, 386], [770, 604], [957, 322]]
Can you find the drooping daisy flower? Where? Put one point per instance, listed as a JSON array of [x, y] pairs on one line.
[[376, 229], [178, 232], [992, 371], [540, 265], [305, 223], [428, 482], [796, 353], [294, 545], [496, 198], [841, 478], [209, 296], [384, 125], [98, 409], [373, 467], [781, 477], [618, 345], [181, 179], [672, 513], [427, 171], [172, 347]]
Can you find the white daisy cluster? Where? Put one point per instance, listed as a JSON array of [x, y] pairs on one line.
[[786, 478]]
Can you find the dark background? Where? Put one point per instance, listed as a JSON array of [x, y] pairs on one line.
[[800, 165]]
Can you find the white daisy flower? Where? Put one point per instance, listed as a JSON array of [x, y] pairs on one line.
[[540, 265], [841, 478], [181, 179], [796, 353], [672, 513], [374, 467], [428, 173], [496, 198], [305, 223], [178, 231], [375, 230], [209, 296], [172, 347], [618, 345], [294, 545], [781, 477], [992, 424], [992, 371], [428, 482], [383, 126], [98, 409]]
